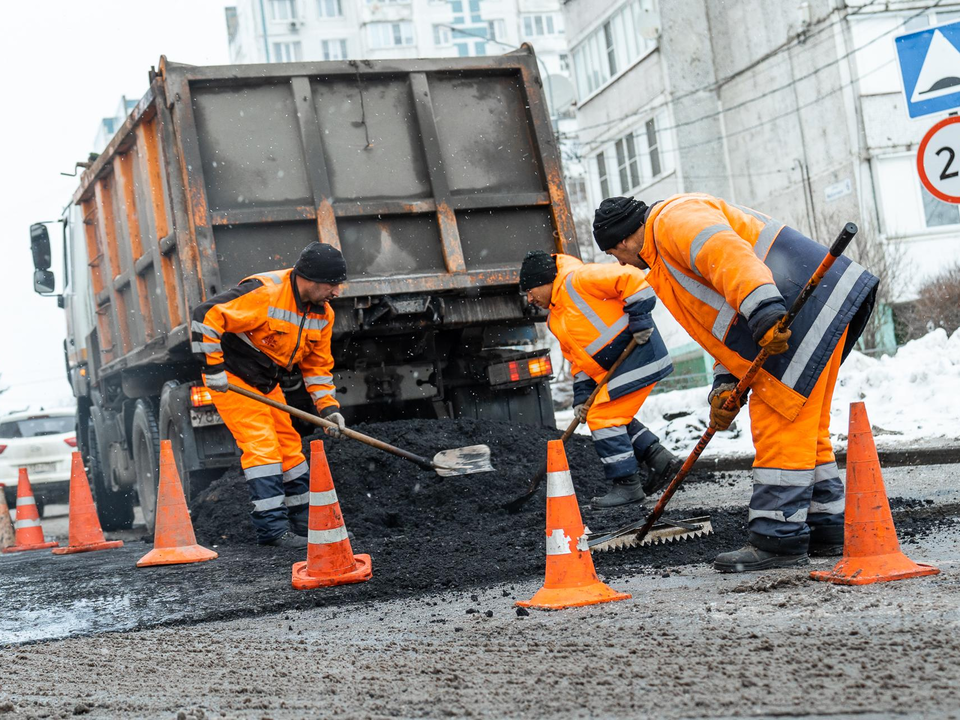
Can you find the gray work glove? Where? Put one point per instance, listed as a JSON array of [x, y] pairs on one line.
[[580, 412], [217, 381], [341, 424], [643, 336]]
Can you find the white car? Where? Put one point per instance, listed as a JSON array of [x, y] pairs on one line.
[[42, 442]]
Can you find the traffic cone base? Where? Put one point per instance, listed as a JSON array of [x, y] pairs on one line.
[[176, 556], [570, 579], [361, 572], [25, 548], [174, 542], [29, 532], [871, 550], [85, 532], [90, 547], [879, 568], [560, 598]]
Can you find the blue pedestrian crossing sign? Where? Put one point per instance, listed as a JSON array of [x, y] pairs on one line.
[[930, 68]]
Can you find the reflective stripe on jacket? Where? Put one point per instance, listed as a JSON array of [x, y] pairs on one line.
[[594, 311], [258, 327], [719, 267]]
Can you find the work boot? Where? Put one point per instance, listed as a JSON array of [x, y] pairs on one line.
[[773, 553], [663, 466], [625, 490], [826, 540], [299, 521], [288, 540]]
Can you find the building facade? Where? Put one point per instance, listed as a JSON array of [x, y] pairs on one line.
[[800, 116]]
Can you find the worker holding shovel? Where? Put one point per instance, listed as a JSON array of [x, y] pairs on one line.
[[727, 274], [244, 337], [595, 312]]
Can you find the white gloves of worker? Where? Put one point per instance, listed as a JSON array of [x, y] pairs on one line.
[[217, 381], [643, 336], [580, 412], [341, 424]]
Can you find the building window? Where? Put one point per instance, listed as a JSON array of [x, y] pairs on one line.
[[283, 9], [632, 160], [564, 63], [334, 49], [329, 8], [938, 213], [497, 29], [612, 48], [287, 52], [441, 35], [602, 173], [388, 2], [626, 149], [475, 11], [540, 25], [653, 147], [385, 35], [456, 7]]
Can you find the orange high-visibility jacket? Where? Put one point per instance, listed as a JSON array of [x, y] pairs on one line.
[[726, 271], [258, 327], [594, 311]]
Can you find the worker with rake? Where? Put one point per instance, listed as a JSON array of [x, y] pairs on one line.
[[727, 274], [595, 311], [245, 336]]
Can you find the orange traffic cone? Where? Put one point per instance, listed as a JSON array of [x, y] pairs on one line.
[[85, 532], [6, 525], [29, 531], [571, 579], [871, 551], [174, 542], [330, 559]]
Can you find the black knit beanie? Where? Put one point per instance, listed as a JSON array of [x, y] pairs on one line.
[[616, 219], [321, 263], [539, 268]]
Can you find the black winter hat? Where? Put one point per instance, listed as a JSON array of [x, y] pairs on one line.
[[321, 263], [616, 219], [539, 268]]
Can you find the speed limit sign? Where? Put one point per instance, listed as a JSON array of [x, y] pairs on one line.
[[938, 160]]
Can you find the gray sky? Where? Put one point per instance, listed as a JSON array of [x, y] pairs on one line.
[[63, 66]]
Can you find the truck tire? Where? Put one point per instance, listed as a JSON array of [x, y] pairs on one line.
[[146, 459], [115, 507]]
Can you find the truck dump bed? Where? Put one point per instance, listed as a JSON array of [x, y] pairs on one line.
[[432, 176]]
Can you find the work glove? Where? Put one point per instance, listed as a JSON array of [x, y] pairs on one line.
[[643, 336], [580, 412], [217, 381], [774, 340], [720, 418], [341, 424]]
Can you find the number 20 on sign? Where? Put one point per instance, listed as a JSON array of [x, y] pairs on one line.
[[938, 160]]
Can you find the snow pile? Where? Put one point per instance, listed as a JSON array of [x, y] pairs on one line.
[[912, 398]]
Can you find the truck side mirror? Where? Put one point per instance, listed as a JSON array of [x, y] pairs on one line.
[[40, 247], [43, 281]]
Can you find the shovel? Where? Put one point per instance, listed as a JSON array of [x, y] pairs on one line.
[[516, 504], [447, 463]]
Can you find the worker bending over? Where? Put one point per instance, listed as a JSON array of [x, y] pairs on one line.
[[594, 312], [727, 274], [246, 336]]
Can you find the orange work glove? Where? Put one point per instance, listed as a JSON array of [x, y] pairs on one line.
[[720, 418], [774, 341]]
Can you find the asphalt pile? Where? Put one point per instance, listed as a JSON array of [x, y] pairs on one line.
[[433, 532]]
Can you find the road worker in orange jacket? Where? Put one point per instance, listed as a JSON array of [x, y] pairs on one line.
[[595, 310], [727, 274], [248, 334]]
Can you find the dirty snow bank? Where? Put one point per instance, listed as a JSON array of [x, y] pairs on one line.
[[912, 397]]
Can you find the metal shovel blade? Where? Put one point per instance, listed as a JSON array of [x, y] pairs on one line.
[[462, 461]]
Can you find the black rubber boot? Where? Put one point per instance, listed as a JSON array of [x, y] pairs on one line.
[[826, 540], [663, 466], [762, 552], [288, 540], [625, 490]]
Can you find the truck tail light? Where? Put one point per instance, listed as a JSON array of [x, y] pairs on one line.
[[71, 441], [2, 448], [517, 371], [200, 396]]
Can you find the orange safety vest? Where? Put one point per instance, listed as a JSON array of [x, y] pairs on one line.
[[262, 329], [715, 264]]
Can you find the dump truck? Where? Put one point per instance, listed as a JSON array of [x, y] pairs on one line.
[[434, 177]]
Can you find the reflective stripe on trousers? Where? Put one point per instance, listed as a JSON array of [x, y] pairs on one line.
[[277, 502], [621, 448]]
